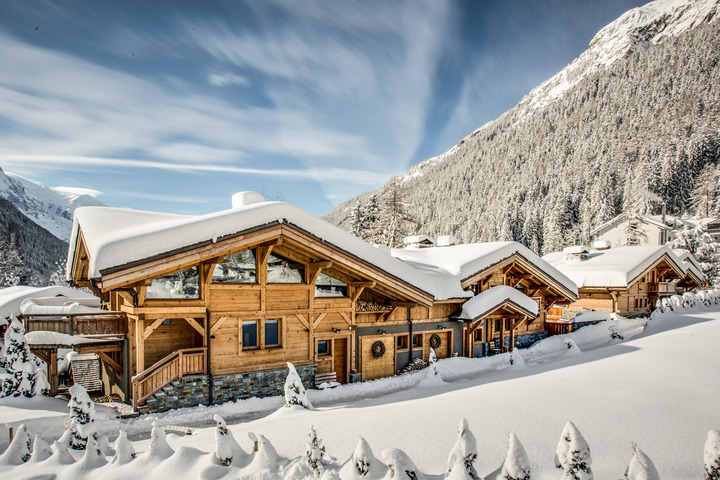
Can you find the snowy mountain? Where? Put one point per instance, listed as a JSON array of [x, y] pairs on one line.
[[52, 209], [633, 119]]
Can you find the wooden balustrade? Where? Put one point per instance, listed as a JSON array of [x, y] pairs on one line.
[[173, 367], [78, 324], [558, 328]]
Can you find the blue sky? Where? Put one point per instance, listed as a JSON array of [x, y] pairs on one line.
[[175, 105]]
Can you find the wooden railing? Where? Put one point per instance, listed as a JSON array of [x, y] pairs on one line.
[[113, 323], [173, 367], [666, 288], [558, 328]]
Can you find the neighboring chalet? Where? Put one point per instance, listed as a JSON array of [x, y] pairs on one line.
[[624, 280], [650, 229], [229, 298]]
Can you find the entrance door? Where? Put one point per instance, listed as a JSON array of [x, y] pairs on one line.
[[340, 359]]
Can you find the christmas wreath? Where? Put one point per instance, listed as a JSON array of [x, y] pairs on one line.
[[435, 341], [378, 349]]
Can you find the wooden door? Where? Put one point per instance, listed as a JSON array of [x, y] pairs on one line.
[[340, 359], [377, 366]]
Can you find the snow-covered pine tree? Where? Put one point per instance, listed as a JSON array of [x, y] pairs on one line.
[[295, 393], [93, 457], [81, 419], [463, 455], [372, 220], [19, 377], [159, 448], [395, 220], [711, 457], [516, 465], [20, 449], [227, 450], [572, 455], [13, 270], [363, 463], [703, 247], [315, 456], [634, 232], [358, 221], [641, 467], [400, 466]]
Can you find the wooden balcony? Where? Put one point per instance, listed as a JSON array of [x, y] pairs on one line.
[[662, 288], [89, 324]]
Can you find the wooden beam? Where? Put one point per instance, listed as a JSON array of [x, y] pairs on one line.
[[303, 320], [39, 353], [194, 324], [217, 324], [346, 318], [152, 328], [113, 364], [84, 348], [318, 320], [359, 288], [384, 316]]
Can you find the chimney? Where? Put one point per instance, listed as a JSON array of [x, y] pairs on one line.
[[418, 241], [602, 245], [243, 199], [446, 240], [576, 252]]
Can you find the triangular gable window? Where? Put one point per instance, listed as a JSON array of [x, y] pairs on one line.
[[183, 284], [237, 268], [327, 286]]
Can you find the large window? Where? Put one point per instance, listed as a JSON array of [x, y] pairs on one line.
[[184, 284], [327, 286], [284, 270], [237, 268]]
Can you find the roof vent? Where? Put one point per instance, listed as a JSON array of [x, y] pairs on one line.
[[446, 240], [576, 252], [602, 245], [243, 199]]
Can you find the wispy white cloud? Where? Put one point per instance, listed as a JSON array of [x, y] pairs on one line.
[[228, 78], [78, 191]]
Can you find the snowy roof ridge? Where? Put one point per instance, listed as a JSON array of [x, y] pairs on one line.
[[494, 297], [466, 260], [615, 267], [118, 237]]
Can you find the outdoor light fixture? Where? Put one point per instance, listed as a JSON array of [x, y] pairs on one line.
[[336, 330], [381, 331]]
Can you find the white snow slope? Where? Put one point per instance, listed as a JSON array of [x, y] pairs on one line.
[[657, 387]]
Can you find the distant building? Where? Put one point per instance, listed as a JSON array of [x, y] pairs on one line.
[[649, 229]]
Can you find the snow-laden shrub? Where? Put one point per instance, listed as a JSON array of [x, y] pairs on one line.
[[461, 462], [641, 467], [399, 465], [712, 455], [363, 464], [158, 449], [61, 455], [689, 299], [266, 461], [432, 374], [93, 457], [124, 450], [20, 449], [517, 465], [295, 393], [82, 418], [227, 450], [572, 455], [19, 378]]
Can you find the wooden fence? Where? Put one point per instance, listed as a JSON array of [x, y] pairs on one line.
[[182, 362]]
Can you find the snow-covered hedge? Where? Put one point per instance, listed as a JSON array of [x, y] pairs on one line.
[[35, 457], [688, 300]]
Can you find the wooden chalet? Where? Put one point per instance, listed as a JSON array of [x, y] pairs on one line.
[[233, 296], [624, 280]]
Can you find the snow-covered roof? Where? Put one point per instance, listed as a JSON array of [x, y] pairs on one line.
[[59, 306], [690, 263], [12, 297], [115, 237], [615, 267], [670, 222], [44, 337], [463, 261], [487, 301]]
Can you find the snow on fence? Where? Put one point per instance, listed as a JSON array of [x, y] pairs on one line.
[[688, 300]]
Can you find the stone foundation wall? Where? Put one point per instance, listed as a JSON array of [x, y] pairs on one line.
[[194, 390]]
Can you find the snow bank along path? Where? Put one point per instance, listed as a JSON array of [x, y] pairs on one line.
[[656, 387]]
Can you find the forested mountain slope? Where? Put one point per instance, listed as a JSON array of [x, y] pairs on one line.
[[603, 139]]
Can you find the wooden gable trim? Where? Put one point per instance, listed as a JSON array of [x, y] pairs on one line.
[[507, 263], [509, 305], [654, 265]]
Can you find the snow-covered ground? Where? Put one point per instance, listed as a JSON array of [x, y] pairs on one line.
[[657, 387]]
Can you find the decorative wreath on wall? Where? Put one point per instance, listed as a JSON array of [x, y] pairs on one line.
[[378, 349], [435, 341]]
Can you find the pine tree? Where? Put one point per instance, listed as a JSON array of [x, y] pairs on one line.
[[372, 220], [295, 393], [463, 455], [124, 450], [641, 467], [516, 465], [364, 462], [315, 456], [13, 270], [159, 448], [400, 466], [358, 221], [19, 378], [19, 451], [395, 220], [41, 449], [634, 232], [572, 455], [81, 418]]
